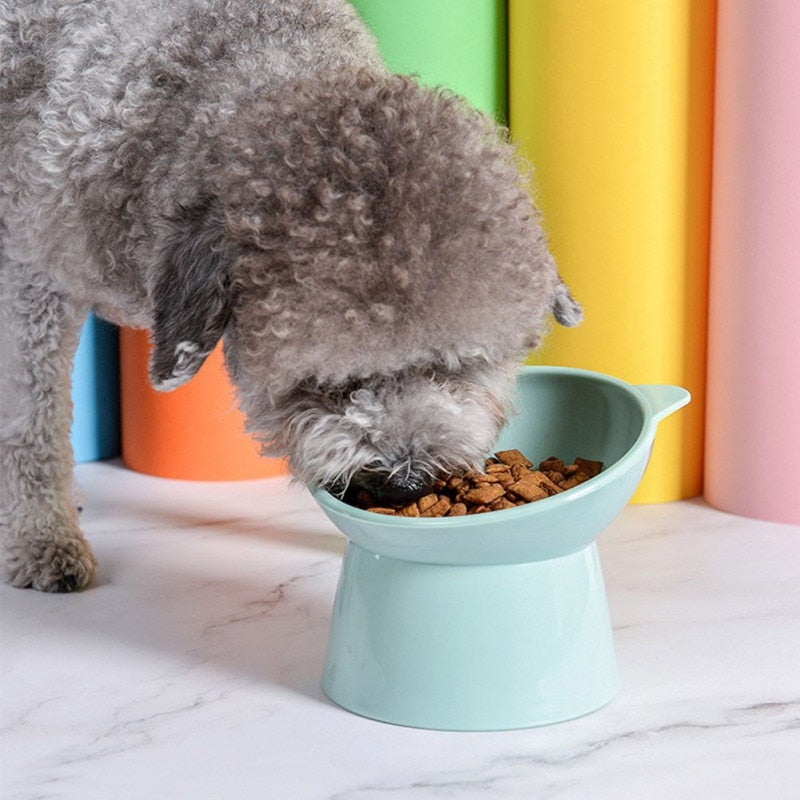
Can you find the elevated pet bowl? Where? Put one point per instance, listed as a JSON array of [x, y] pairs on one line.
[[496, 620]]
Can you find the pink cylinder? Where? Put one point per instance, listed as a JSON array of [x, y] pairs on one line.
[[752, 464]]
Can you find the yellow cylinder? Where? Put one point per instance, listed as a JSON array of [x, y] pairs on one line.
[[612, 102]]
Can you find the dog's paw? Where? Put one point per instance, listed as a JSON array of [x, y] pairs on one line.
[[60, 563]]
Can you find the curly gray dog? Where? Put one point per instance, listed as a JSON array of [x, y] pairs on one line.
[[248, 170]]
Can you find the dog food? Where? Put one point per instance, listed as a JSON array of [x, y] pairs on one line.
[[509, 479]]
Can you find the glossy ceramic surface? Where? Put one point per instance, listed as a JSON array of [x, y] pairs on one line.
[[497, 620]]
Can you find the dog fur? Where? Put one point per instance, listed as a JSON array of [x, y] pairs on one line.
[[248, 170]]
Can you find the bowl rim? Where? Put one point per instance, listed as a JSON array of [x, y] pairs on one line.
[[330, 502]]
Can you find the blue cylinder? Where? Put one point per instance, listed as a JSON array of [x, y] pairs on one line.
[[95, 433]]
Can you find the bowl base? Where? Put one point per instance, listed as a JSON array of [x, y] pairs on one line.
[[472, 648]]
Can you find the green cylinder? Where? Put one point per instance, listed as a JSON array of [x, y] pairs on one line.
[[460, 44]]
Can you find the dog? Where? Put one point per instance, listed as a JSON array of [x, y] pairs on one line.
[[249, 171]]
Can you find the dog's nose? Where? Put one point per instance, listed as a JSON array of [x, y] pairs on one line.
[[402, 489], [398, 489]]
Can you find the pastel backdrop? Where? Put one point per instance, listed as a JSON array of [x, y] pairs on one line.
[[460, 44], [753, 428], [95, 393], [612, 103]]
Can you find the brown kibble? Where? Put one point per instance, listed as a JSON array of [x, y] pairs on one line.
[[513, 457], [484, 494], [552, 464], [575, 480], [588, 467], [505, 479], [509, 480], [528, 489], [502, 503], [438, 509], [549, 486], [478, 478], [424, 503], [519, 471], [495, 469]]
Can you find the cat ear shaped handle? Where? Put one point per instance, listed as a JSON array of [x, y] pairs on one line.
[[663, 399]]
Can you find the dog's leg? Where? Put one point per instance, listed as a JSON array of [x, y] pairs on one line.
[[43, 546]]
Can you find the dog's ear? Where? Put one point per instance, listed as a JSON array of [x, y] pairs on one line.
[[566, 309], [191, 297]]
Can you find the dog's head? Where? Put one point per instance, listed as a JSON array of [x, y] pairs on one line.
[[370, 251], [390, 433]]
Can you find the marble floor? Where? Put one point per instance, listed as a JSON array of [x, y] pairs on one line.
[[191, 667]]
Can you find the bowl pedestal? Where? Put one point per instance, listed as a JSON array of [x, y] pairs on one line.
[[465, 647]]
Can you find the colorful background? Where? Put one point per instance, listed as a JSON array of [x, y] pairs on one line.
[[664, 140]]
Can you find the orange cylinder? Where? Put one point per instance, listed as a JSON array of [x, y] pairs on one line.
[[195, 432]]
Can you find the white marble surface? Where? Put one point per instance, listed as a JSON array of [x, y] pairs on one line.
[[191, 667]]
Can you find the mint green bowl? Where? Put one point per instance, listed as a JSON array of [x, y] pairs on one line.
[[497, 620]]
